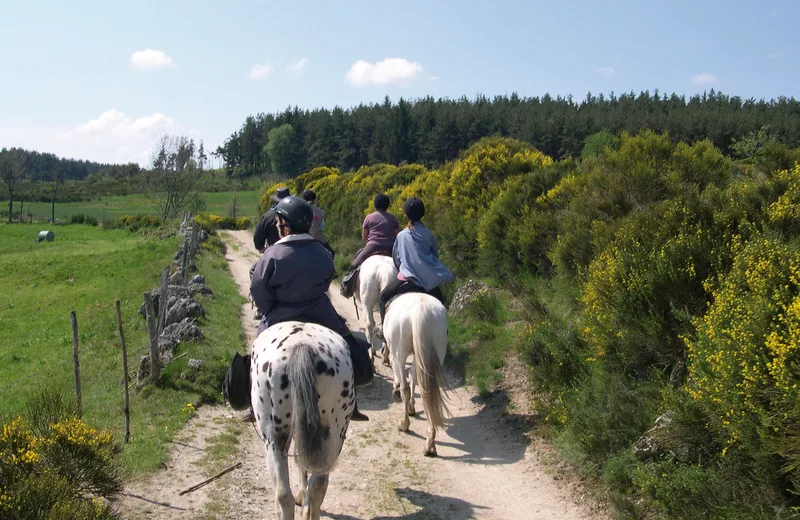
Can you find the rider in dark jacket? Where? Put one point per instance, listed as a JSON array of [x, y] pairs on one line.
[[265, 233], [291, 280]]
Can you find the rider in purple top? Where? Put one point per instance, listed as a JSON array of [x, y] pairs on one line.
[[378, 232]]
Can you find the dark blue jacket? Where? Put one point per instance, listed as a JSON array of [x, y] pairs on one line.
[[290, 282]]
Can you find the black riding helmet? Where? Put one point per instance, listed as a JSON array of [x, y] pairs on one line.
[[414, 209], [296, 212], [381, 201]]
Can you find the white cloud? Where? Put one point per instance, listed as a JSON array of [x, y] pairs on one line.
[[388, 71], [776, 55], [111, 137], [703, 78], [150, 59], [434, 78], [297, 68], [605, 71], [260, 71]]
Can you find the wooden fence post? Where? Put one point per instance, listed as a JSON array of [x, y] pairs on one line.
[[195, 239], [163, 297], [74, 320], [152, 329], [125, 374], [185, 261]]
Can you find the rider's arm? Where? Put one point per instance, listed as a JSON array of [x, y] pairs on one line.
[[263, 295], [364, 234], [434, 247], [396, 252], [260, 234]]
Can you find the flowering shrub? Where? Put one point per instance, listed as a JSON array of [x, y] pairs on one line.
[[745, 360], [60, 473], [209, 222]]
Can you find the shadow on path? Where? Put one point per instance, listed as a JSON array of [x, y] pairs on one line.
[[434, 507]]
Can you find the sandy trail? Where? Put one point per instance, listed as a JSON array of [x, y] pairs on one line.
[[487, 467]]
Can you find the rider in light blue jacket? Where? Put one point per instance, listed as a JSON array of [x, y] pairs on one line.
[[416, 256]]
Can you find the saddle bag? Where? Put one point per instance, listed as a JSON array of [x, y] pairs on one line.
[[236, 386], [349, 283]]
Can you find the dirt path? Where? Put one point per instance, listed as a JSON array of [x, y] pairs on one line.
[[487, 467]]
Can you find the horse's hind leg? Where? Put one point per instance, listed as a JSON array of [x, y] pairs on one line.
[[368, 310], [412, 376], [400, 379], [301, 495], [317, 487], [284, 501], [430, 447]]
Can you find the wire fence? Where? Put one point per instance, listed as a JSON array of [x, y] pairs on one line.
[[97, 361]]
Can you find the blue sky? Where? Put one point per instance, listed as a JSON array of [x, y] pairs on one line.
[[101, 80]]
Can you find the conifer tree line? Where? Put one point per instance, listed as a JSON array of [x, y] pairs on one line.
[[433, 131], [42, 166]]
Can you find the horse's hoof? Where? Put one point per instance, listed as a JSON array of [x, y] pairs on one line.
[[396, 396], [412, 413], [431, 452], [403, 425]]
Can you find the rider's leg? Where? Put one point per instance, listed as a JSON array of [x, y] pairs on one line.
[[387, 294], [352, 344], [366, 252], [436, 292]]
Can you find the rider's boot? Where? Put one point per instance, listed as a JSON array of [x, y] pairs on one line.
[[357, 415]]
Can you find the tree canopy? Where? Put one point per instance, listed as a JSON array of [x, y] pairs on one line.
[[432, 132]]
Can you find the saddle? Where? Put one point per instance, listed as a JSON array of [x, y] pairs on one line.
[[350, 280], [349, 283]]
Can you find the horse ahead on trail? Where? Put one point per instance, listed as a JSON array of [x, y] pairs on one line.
[[301, 390], [416, 325], [375, 274]]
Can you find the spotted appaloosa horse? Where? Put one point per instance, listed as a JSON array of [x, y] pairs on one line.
[[375, 274], [416, 325], [301, 390]]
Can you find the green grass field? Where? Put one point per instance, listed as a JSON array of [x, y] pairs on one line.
[[216, 203], [86, 269]]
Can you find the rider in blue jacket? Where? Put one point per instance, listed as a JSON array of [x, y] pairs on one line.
[[416, 256], [291, 280]]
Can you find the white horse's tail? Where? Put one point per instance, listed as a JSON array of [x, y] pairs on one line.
[[309, 435], [429, 327]]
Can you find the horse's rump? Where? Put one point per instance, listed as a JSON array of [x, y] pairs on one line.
[[298, 370]]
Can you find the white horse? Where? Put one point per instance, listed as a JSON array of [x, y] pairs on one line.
[[301, 390], [416, 325], [375, 274]]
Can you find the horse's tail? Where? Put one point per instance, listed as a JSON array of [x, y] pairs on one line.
[[429, 333], [309, 435]]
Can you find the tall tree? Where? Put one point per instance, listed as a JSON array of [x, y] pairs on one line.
[[201, 157], [12, 171], [55, 181], [281, 149], [171, 182]]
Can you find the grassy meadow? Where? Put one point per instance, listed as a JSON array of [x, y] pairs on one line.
[[217, 203], [86, 269]]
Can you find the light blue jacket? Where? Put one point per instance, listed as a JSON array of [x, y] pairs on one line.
[[416, 255]]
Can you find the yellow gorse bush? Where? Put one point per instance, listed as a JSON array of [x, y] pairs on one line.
[[53, 466], [75, 432], [18, 446], [745, 360]]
